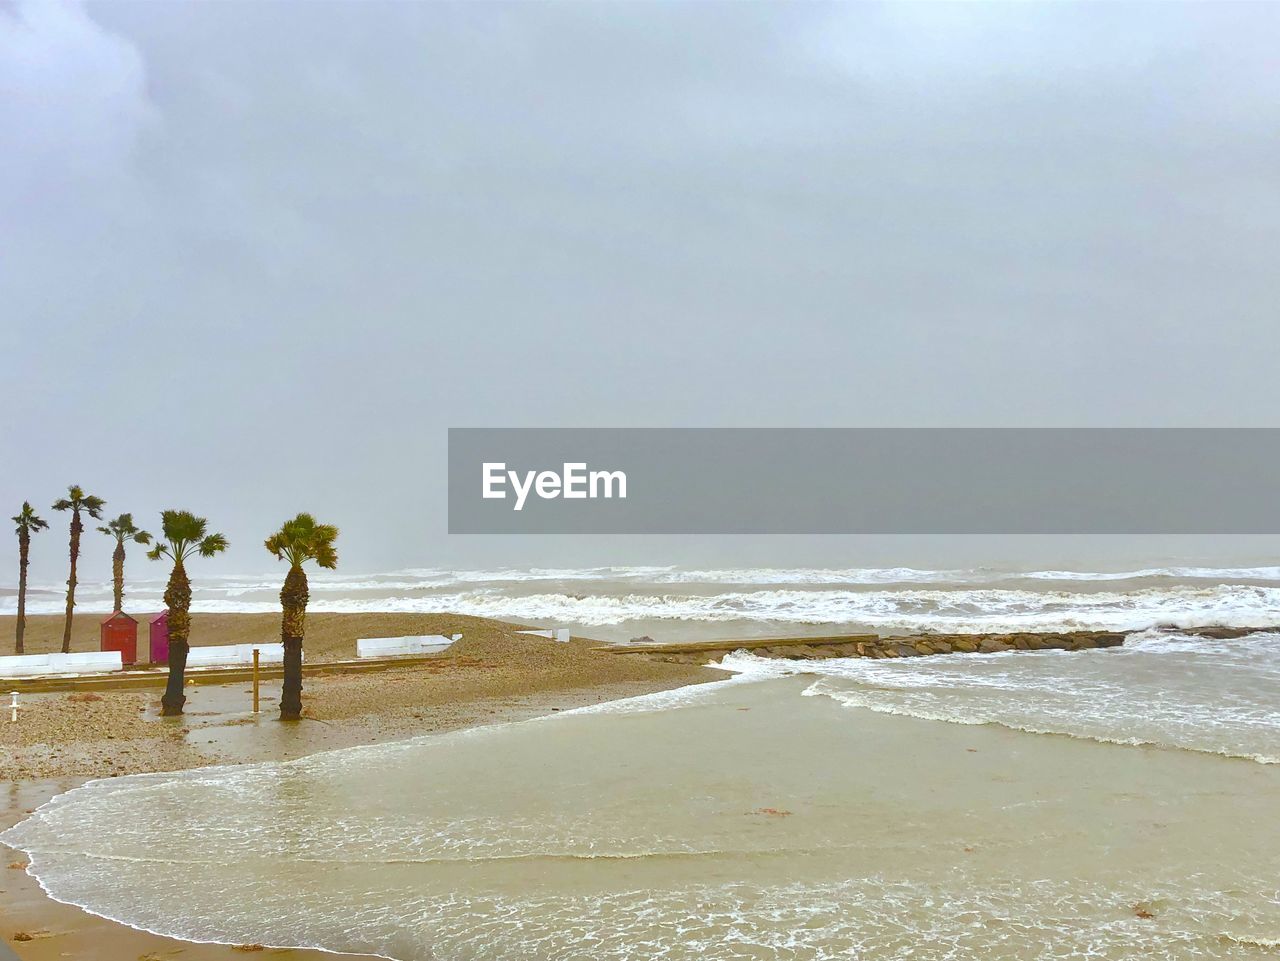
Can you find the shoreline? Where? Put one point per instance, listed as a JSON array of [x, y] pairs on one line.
[[494, 677], [735, 751]]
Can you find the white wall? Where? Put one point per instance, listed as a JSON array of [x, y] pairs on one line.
[[234, 654], [395, 646], [34, 665], [555, 634]]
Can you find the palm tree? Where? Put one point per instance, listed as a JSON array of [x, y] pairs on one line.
[[184, 536], [76, 501], [28, 523], [298, 541], [122, 530]]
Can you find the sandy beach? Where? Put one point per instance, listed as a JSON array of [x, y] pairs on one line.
[[65, 739]]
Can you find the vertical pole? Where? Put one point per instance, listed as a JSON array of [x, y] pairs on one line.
[[255, 680], [13, 708]]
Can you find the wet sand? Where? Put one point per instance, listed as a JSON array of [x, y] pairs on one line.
[[62, 740], [740, 820]]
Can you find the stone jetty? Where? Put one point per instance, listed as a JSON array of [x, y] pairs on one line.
[[914, 645]]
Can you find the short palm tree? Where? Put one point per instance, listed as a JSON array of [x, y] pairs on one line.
[[183, 537], [78, 502], [298, 541], [122, 530], [28, 523]]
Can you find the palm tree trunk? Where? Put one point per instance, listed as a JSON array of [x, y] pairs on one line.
[[24, 551], [117, 575], [177, 597], [76, 528], [293, 601]]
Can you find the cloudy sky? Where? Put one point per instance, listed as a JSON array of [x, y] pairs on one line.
[[256, 258]]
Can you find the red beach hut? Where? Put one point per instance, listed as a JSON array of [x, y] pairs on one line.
[[160, 638], [119, 632]]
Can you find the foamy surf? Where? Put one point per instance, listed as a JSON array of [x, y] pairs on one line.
[[618, 604], [956, 611], [740, 821], [1160, 689]]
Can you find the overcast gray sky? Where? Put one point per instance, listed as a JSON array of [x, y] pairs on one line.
[[256, 258]]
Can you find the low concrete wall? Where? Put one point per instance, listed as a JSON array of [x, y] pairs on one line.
[[224, 655], [396, 646], [554, 634], [37, 665]]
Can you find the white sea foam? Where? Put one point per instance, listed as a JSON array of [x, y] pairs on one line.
[[881, 918], [910, 575], [974, 600], [974, 611], [985, 610], [1167, 690], [1170, 573]]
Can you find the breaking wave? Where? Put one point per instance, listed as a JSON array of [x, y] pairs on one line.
[[1158, 689], [973, 600]]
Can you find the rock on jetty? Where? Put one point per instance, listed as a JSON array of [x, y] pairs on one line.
[[917, 645]]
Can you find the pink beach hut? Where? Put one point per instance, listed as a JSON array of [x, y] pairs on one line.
[[159, 624]]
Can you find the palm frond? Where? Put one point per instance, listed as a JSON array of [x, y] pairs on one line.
[[183, 535], [213, 544], [77, 500], [275, 544], [123, 528], [28, 520], [326, 555], [182, 526], [301, 539]]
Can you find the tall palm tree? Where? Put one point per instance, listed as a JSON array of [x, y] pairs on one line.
[[122, 530], [184, 536], [28, 523], [298, 541], [76, 501]]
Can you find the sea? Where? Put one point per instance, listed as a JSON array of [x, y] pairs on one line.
[[1103, 804], [671, 603]]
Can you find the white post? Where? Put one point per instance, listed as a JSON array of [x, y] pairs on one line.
[[13, 708]]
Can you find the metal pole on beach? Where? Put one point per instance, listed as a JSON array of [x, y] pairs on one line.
[[255, 680], [13, 708]]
